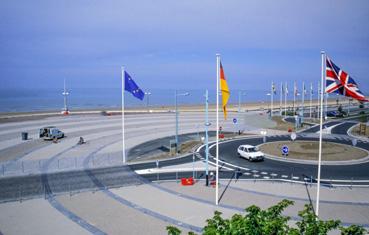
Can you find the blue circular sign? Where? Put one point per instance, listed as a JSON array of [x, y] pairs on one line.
[[285, 149], [234, 120]]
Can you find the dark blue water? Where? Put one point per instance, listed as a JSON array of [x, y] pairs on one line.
[[24, 100]]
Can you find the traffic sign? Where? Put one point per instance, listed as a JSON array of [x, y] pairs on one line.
[[235, 120], [285, 149]]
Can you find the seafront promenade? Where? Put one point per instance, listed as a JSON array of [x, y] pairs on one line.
[[152, 205]]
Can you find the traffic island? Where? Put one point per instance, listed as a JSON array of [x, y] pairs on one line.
[[307, 151]]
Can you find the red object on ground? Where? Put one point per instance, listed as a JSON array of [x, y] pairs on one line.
[[289, 129], [187, 181], [221, 136], [213, 183], [65, 112]]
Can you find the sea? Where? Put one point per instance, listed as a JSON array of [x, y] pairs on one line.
[[43, 99]]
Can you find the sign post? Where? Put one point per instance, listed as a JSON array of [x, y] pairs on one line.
[[285, 150]]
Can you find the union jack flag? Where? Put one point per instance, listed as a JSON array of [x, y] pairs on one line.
[[338, 81]]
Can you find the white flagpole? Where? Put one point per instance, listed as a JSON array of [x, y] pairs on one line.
[[123, 144], [217, 134], [303, 99], [294, 98], [271, 100], [285, 100], [280, 99], [320, 135], [311, 98]]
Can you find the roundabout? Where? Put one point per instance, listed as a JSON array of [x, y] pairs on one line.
[[308, 151], [344, 172]]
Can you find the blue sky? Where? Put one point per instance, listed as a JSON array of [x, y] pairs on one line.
[[172, 44]]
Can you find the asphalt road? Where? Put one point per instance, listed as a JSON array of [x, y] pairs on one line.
[[227, 152], [15, 188]]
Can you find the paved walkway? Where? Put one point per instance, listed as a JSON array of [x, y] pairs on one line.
[[149, 208]]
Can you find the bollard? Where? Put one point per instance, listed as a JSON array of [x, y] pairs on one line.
[[331, 184], [20, 193]]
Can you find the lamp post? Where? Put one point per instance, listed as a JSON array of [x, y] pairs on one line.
[[147, 100], [207, 124], [270, 114], [65, 94], [176, 106], [240, 94]]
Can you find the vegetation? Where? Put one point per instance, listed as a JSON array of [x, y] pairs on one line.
[[271, 222]]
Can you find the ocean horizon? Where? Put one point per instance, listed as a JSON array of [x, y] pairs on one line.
[[42, 99]]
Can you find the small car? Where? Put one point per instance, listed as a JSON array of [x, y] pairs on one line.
[[250, 152], [50, 133]]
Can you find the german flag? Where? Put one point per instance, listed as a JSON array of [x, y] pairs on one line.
[[225, 91]]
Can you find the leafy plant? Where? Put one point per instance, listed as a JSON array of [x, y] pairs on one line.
[[271, 222], [353, 230]]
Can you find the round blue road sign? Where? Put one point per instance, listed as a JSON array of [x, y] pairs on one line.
[[234, 120], [285, 149]]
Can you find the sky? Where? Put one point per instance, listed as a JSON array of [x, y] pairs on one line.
[[172, 44]]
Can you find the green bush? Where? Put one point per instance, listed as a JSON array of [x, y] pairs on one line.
[[271, 222]]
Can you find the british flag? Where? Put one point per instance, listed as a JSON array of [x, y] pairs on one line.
[[338, 81]]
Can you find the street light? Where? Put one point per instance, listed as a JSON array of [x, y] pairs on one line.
[[147, 100], [240, 94], [207, 124], [270, 109], [176, 97]]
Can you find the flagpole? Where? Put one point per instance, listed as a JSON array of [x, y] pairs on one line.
[[271, 100], [285, 100], [207, 124], [303, 100], [217, 133], [311, 98], [320, 136], [280, 99], [123, 144], [294, 97]]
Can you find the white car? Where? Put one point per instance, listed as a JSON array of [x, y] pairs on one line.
[[250, 152]]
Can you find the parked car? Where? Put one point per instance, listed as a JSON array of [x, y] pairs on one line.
[[50, 133], [250, 152], [335, 114]]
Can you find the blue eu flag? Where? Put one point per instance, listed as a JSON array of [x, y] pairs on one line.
[[131, 87]]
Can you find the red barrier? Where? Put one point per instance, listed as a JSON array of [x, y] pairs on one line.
[[221, 136], [187, 181]]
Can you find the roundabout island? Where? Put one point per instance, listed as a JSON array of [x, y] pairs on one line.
[[308, 151]]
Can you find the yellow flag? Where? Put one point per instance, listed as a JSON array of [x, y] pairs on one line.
[[225, 91]]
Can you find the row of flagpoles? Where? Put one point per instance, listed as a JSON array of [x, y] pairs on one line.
[[332, 77]]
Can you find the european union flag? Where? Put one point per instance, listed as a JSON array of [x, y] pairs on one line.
[[131, 87]]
